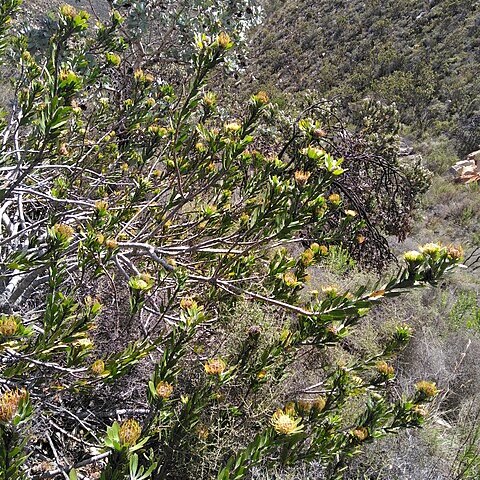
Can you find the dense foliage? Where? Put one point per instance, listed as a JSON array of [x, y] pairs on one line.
[[137, 224]]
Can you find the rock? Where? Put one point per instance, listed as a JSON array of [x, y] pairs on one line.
[[467, 171]]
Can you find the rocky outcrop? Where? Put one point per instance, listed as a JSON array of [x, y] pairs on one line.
[[468, 170]]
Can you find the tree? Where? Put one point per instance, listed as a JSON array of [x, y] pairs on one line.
[[133, 223]]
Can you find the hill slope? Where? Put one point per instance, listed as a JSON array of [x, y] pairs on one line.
[[422, 55]]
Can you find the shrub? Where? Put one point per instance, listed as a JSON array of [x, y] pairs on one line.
[[134, 222]]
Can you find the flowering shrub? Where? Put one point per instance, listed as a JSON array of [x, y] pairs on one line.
[[133, 222]]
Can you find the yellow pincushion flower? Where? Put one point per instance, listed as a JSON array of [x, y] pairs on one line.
[[9, 403], [334, 198], [63, 231], [232, 127], [360, 433], [164, 389], [111, 243], [215, 366], [129, 432], [307, 257], [224, 40], [98, 367], [262, 97], [285, 423], [330, 291], [187, 302], [413, 256], [68, 11], [427, 389], [455, 252], [8, 326], [290, 279], [301, 177], [383, 368], [431, 249], [142, 282]]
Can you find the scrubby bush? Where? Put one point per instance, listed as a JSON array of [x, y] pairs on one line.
[[136, 221]]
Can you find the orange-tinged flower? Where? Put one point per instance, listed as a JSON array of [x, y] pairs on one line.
[[9, 403], [8, 326], [361, 433], [224, 40], [164, 389], [455, 252], [215, 366], [129, 432], [383, 368], [427, 389], [301, 177]]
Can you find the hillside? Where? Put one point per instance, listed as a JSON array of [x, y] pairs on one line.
[[198, 283], [422, 55]]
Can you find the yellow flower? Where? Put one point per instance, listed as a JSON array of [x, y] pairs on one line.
[[307, 257], [111, 243], [68, 11], [98, 367], [383, 368], [215, 366], [285, 423], [413, 256], [129, 432], [187, 302], [209, 99], [113, 59], [455, 253], [330, 291], [420, 410], [164, 389], [8, 326], [290, 279], [360, 239], [232, 127], [67, 76], [262, 97], [9, 403], [101, 206], [142, 282], [139, 75], [63, 231], [432, 249], [361, 433], [261, 374], [301, 177], [334, 198], [350, 213], [224, 40], [426, 389]]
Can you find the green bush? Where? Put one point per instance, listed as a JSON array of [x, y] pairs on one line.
[[135, 222]]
